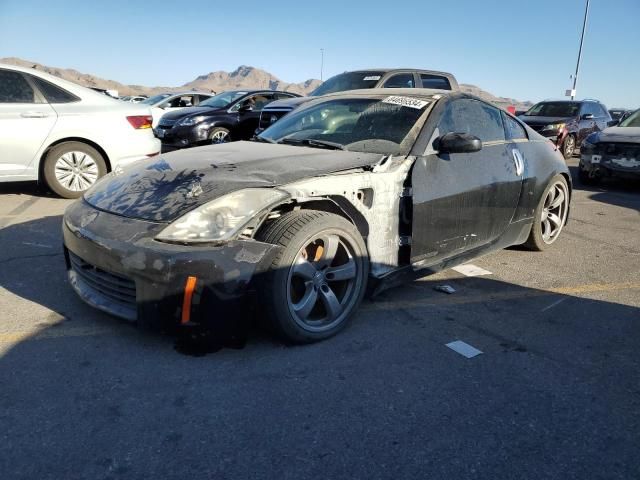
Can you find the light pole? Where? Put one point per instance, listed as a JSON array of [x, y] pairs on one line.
[[321, 62], [584, 28]]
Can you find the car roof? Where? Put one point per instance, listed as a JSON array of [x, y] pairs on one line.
[[391, 70], [562, 100], [406, 92]]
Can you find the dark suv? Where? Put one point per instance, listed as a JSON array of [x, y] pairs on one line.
[[566, 122], [228, 116], [363, 79]]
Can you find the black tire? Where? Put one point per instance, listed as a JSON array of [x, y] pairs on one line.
[[536, 240], [67, 148], [569, 146], [217, 132], [295, 232], [587, 179]]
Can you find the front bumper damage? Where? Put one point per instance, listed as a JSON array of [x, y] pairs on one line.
[[598, 165], [115, 265]]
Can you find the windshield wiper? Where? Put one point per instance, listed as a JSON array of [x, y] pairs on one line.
[[312, 142]]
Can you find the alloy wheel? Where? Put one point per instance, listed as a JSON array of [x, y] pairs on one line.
[[219, 137], [569, 146], [322, 282], [76, 171], [554, 212]]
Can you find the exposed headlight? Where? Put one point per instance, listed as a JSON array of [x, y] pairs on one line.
[[222, 218], [555, 126], [191, 120]]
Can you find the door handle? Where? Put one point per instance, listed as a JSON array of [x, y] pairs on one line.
[[34, 115], [518, 160]]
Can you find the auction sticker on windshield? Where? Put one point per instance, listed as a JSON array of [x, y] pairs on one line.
[[372, 77], [406, 102]]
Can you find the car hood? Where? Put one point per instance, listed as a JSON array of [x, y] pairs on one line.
[[534, 120], [617, 134], [289, 102], [191, 111], [166, 187]]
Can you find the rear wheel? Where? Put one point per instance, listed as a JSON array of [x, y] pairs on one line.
[[317, 281], [550, 215], [71, 168]]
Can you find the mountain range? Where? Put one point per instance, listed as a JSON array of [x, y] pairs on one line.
[[243, 77]]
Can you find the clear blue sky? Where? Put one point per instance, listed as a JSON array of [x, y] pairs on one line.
[[514, 48]]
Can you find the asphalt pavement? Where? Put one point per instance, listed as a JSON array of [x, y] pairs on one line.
[[555, 393]]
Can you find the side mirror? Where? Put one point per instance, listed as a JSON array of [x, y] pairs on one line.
[[245, 108], [458, 143], [612, 123], [587, 116]]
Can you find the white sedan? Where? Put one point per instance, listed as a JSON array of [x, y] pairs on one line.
[[169, 102], [65, 135]]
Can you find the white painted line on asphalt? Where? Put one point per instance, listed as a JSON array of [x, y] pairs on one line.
[[554, 304], [471, 270], [463, 349]]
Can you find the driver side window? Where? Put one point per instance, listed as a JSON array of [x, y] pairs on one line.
[[472, 117], [257, 102]]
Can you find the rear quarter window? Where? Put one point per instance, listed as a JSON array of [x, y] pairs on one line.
[[53, 93], [435, 81], [513, 129]]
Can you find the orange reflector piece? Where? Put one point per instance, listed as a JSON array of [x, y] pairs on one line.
[[186, 303]]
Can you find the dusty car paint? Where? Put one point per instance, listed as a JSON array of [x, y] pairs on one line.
[[388, 198], [163, 189], [125, 247]]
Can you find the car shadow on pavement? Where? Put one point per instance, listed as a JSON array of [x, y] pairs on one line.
[[554, 394], [31, 188], [34, 271]]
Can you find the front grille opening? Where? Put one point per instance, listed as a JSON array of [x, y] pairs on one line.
[[116, 288]]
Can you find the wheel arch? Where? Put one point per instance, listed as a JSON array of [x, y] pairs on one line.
[[331, 204], [220, 124], [71, 139]]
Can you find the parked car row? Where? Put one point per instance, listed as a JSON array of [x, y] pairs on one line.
[[53, 120], [227, 118]]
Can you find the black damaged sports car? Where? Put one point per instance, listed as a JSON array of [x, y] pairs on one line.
[[352, 192]]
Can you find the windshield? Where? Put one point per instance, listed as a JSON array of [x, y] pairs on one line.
[[554, 109], [357, 124], [156, 98], [348, 81], [631, 121], [223, 100]]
